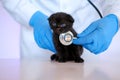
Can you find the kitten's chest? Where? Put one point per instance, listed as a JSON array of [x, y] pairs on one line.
[[56, 39]]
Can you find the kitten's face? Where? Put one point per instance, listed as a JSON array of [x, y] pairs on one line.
[[60, 22]]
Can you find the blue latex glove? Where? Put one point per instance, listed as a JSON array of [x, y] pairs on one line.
[[42, 31], [98, 36]]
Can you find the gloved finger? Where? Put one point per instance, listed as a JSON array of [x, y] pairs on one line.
[[83, 40], [103, 48], [88, 30], [50, 44], [92, 47], [100, 48], [99, 44], [42, 42], [39, 38], [88, 47]]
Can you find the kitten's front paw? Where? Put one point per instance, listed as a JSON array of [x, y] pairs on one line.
[[54, 57], [79, 60]]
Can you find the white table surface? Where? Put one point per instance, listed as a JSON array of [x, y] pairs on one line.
[[94, 68]]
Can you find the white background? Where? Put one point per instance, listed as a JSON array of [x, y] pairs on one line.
[[9, 35]]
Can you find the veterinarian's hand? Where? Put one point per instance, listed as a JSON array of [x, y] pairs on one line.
[[42, 31], [98, 36]]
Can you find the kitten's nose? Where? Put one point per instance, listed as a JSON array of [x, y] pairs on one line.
[[59, 26]]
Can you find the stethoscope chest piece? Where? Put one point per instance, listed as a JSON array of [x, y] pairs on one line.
[[66, 38]]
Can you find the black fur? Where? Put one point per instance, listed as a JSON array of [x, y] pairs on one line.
[[60, 23]]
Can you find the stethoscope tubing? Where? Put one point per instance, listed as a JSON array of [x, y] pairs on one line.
[[95, 7]]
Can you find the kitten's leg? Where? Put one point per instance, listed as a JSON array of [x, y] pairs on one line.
[[62, 59], [62, 56], [78, 53]]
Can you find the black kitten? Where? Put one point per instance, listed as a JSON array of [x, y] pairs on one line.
[[60, 23]]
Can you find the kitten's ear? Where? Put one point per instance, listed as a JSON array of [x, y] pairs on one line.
[[70, 18], [49, 19]]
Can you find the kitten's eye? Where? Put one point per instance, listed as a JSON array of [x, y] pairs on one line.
[[63, 25], [54, 24]]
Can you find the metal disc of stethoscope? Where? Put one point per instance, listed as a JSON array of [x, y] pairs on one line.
[[66, 38]]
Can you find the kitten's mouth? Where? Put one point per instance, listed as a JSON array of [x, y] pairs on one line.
[[59, 31]]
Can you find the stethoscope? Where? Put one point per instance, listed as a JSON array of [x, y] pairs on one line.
[[67, 37]]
